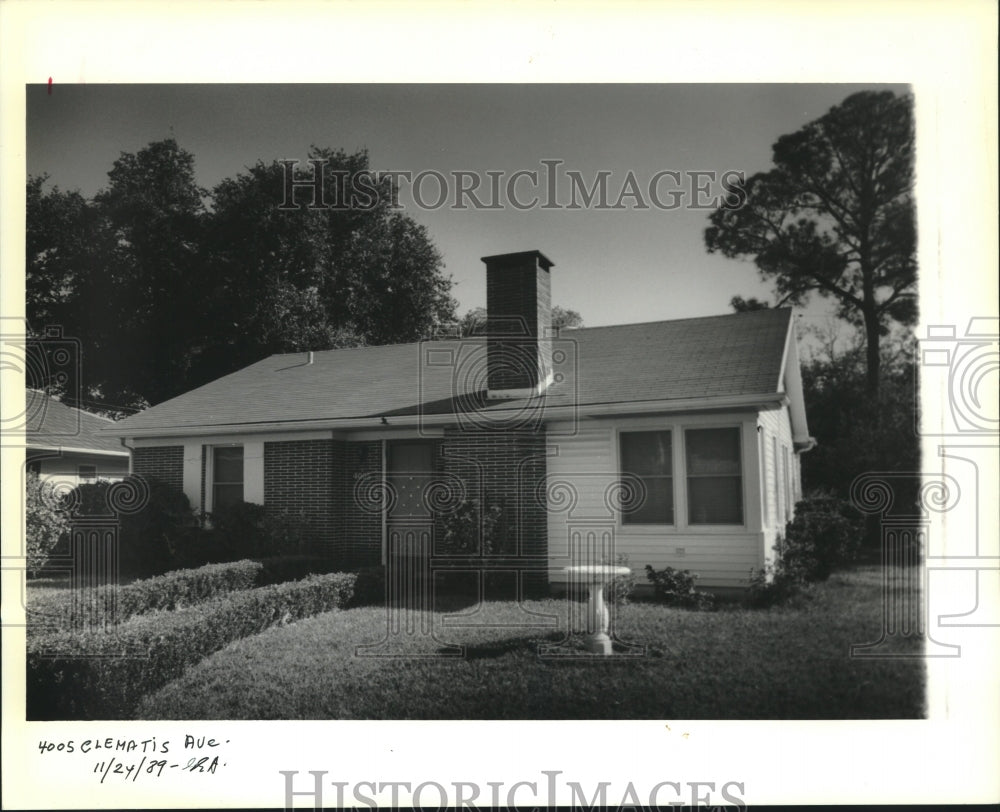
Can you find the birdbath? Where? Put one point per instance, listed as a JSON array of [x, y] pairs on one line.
[[595, 576]]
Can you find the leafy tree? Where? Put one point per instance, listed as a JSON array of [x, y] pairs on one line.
[[856, 435], [315, 278], [144, 303], [169, 286], [741, 305], [59, 248], [836, 216]]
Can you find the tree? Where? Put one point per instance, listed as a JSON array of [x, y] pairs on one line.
[[741, 305], [856, 435], [474, 321], [315, 278], [59, 247], [836, 216], [169, 286]]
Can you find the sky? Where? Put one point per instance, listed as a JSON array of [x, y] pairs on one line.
[[612, 266]]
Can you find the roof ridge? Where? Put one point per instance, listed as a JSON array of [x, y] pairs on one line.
[[54, 399], [685, 318], [568, 329]]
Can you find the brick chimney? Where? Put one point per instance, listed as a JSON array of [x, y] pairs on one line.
[[518, 324]]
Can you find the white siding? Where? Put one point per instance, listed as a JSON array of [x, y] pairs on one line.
[[63, 471], [583, 494], [776, 430]]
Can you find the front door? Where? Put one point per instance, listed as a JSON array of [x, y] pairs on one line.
[[410, 471]]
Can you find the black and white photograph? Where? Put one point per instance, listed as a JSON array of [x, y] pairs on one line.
[[584, 409]]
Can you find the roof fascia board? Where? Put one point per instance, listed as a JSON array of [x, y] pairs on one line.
[[764, 400], [65, 449]]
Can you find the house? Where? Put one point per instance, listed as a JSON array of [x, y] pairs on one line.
[[676, 443], [66, 446]]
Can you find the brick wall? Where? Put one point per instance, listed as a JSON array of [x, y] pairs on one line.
[[163, 462], [506, 468], [362, 544], [303, 479], [518, 302]]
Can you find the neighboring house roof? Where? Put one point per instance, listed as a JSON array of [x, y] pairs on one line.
[[732, 357], [52, 425]]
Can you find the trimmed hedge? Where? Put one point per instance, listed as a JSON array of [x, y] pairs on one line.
[[100, 675], [171, 591]]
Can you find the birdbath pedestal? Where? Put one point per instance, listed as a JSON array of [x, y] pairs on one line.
[[595, 576]]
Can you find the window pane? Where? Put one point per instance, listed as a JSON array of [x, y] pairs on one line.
[[656, 506], [411, 457], [715, 500], [228, 464], [646, 452], [713, 451]]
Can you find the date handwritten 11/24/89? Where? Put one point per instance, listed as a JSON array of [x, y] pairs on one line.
[[155, 767], [199, 754]]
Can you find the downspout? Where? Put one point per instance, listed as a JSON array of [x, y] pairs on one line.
[[130, 450], [385, 519]]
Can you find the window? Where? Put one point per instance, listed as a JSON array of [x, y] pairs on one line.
[[715, 484], [86, 473], [648, 456], [227, 476]]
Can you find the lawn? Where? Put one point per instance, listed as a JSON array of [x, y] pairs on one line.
[[788, 662]]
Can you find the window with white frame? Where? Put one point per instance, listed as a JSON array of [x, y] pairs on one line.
[[227, 476], [714, 476], [86, 473], [647, 457]]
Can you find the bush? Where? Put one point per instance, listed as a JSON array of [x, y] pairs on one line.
[[149, 536], [45, 521], [823, 536], [171, 591], [246, 530], [772, 586], [676, 588], [619, 590], [469, 531], [100, 675]]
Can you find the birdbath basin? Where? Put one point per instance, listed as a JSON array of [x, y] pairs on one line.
[[595, 576]]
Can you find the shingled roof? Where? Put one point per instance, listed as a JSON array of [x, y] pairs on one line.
[[708, 358], [51, 424]]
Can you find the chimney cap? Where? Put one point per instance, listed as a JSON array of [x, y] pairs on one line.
[[518, 258]]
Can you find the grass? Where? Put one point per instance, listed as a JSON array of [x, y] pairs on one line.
[[790, 662]]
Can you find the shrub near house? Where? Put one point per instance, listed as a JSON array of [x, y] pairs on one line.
[[45, 521], [822, 536]]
